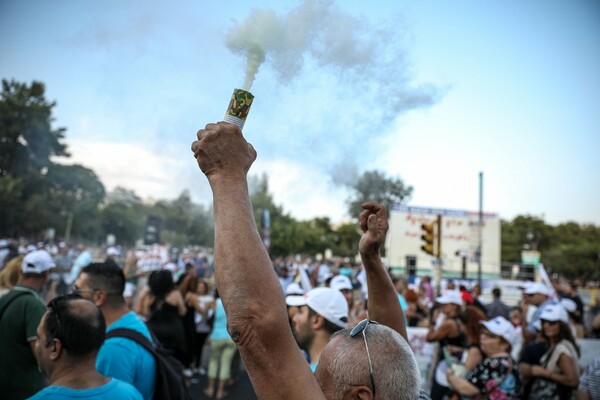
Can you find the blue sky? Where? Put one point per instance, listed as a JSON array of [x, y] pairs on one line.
[[433, 92]]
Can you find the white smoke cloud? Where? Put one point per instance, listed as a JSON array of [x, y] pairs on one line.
[[372, 58]]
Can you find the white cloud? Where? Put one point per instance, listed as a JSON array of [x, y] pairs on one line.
[[304, 191], [130, 165]]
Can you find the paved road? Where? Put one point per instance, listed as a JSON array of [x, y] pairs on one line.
[[241, 390]]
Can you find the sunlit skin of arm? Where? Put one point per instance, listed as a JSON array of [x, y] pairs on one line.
[[248, 286]]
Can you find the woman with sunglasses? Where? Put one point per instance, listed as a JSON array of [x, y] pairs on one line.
[[558, 374], [497, 376]]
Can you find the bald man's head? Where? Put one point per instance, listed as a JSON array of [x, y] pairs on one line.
[[344, 365], [77, 323]]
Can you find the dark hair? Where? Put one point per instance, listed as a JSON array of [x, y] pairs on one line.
[[108, 277], [470, 318], [81, 333], [161, 283], [329, 326], [563, 334], [496, 292], [188, 284]]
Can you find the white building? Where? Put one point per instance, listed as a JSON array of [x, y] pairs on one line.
[[460, 238]]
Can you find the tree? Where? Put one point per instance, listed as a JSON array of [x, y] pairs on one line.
[[184, 222], [38, 193], [123, 215], [375, 186], [568, 249], [27, 140]]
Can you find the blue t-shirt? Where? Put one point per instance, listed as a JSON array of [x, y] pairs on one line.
[[403, 303], [114, 389], [219, 331], [126, 360]]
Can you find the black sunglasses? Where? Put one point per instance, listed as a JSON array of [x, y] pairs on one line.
[[361, 327]]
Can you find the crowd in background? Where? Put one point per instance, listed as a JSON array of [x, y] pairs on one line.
[[523, 350]]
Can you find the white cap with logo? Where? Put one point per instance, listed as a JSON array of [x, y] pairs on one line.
[[537, 287], [294, 289], [36, 262], [554, 312], [340, 282], [450, 297], [328, 302], [502, 327]]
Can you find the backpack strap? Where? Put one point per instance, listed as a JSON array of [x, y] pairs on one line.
[[10, 300], [133, 335]]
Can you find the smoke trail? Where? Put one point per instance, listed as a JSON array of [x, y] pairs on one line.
[[320, 32], [360, 81]]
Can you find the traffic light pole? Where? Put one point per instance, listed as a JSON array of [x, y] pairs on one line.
[[438, 255], [432, 239]]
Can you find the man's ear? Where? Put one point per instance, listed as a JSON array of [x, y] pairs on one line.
[[99, 297], [317, 322], [358, 393], [57, 349]]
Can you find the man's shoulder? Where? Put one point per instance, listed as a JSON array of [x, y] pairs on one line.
[[133, 322], [23, 304], [114, 388], [123, 346]]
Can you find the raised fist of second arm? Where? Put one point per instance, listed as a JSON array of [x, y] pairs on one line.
[[374, 225], [222, 151]]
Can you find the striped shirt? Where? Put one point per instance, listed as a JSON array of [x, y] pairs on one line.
[[589, 382]]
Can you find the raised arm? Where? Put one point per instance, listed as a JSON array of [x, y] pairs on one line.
[[383, 305], [251, 294]]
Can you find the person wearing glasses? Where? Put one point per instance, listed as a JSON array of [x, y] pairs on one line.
[[372, 361], [497, 376], [69, 337], [103, 284], [558, 374], [21, 310]]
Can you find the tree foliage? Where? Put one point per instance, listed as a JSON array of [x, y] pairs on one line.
[[376, 186], [569, 249], [37, 192]]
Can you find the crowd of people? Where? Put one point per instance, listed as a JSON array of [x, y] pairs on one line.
[[305, 329]]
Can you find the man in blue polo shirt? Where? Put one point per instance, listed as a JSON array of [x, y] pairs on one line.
[[121, 358]]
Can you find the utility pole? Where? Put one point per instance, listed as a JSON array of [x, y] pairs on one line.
[[479, 249]]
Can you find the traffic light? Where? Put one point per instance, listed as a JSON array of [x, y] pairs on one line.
[[428, 238], [432, 237]]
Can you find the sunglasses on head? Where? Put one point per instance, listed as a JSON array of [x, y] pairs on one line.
[[361, 327], [54, 306]]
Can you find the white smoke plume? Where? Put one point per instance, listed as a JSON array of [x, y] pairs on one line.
[[321, 32]]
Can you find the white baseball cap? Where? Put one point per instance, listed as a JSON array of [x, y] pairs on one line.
[[340, 282], [554, 312], [569, 305], [36, 262], [502, 327], [112, 251], [537, 287], [294, 289], [328, 302], [450, 297]]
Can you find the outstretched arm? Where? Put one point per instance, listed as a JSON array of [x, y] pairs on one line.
[[384, 306], [251, 293]]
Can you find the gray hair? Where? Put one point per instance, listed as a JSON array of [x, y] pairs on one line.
[[395, 369]]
